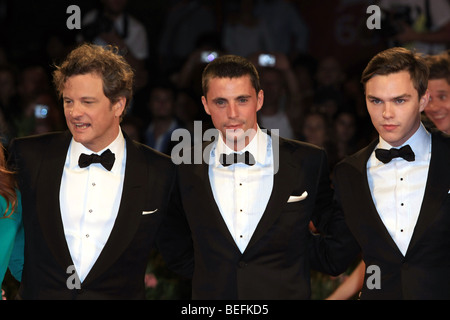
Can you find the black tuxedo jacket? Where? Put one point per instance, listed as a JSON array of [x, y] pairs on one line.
[[119, 271], [424, 271], [276, 263]]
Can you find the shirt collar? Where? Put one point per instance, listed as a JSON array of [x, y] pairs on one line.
[[420, 143], [117, 147], [258, 147]]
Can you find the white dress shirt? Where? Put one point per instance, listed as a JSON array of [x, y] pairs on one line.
[[90, 199], [398, 187], [241, 191]]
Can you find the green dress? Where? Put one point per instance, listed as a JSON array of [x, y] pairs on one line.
[[11, 240]]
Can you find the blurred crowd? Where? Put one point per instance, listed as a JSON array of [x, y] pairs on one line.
[[310, 58]]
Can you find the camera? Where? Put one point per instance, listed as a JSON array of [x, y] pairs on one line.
[[40, 111], [266, 60], [208, 56]]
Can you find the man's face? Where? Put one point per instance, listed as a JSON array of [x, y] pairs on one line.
[[91, 117], [394, 106], [161, 103], [438, 108], [232, 104]]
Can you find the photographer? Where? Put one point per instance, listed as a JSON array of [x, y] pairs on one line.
[[422, 25]]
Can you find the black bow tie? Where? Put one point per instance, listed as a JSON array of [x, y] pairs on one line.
[[106, 159], [228, 159], [387, 155]]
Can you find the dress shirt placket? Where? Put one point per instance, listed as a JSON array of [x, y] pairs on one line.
[[87, 231], [402, 205], [241, 194]]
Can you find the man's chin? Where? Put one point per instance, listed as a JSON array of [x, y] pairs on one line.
[[80, 138]]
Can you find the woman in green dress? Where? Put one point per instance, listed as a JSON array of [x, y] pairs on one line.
[[11, 229]]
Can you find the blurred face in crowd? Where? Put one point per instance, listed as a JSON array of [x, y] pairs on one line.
[[438, 108], [232, 104], [91, 117], [329, 72], [394, 106], [315, 129], [161, 103], [345, 126], [272, 82]]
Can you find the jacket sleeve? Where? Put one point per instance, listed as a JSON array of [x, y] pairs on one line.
[[174, 239], [333, 248]]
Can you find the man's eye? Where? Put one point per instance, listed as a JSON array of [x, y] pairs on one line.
[[400, 101], [375, 101], [220, 103]]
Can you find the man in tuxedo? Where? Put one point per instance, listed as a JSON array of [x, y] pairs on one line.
[[438, 109], [395, 193], [92, 198], [238, 221]]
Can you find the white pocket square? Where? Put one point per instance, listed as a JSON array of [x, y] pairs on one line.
[[448, 191], [149, 212], [298, 198]]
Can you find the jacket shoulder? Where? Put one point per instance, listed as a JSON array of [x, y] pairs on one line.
[[441, 138], [296, 145], [41, 138], [152, 155], [360, 157], [37, 144]]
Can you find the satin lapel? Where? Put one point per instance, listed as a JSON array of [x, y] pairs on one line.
[[128, 217], [47, 198], [436, 189], [361, 185], [201, 185], [283, 184]]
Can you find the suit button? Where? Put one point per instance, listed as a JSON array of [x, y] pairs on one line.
[[242, 264]]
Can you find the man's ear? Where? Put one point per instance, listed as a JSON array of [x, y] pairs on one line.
[[423, 101], [119, 106], [260, 101], [205, 105]]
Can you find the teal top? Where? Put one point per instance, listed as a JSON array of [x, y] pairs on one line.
[[11, 240]]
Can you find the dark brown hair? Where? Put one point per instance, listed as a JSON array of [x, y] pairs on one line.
[[116, 73], [230, 66], [439, 66], [398, 59]]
